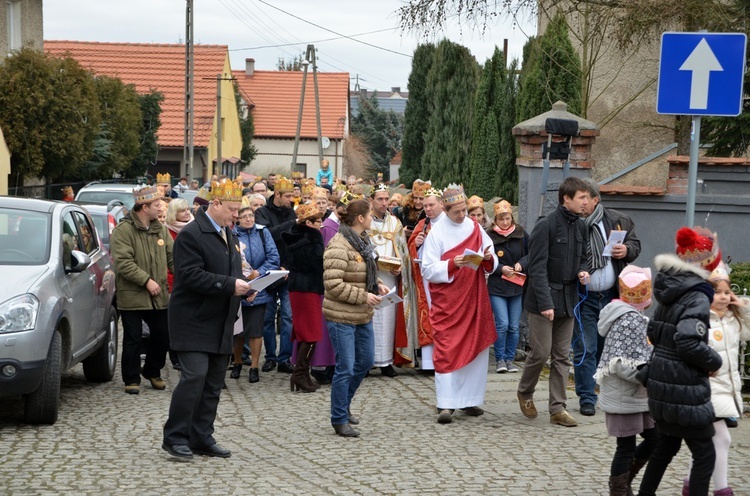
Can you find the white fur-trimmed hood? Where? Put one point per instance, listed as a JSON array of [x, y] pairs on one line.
[[671, 262]]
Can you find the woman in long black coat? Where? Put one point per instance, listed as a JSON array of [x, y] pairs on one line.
[[304, 247]]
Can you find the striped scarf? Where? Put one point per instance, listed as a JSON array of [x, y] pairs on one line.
[[596, 240]]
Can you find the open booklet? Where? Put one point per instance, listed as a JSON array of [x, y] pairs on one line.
[[390, 298], [474, 258], [615, 238], [262, 282]]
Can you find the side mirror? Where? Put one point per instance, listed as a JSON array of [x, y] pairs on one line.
[[79, 261]]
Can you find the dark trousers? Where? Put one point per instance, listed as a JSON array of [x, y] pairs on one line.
[[158, 344], [627, 451], [195, 399], [667, 447]]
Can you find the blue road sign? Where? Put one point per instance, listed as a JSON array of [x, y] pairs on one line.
[[701, 74]]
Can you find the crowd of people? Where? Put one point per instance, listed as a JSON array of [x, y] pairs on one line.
[[379, 281]]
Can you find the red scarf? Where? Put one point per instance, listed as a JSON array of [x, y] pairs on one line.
[[504, 232]]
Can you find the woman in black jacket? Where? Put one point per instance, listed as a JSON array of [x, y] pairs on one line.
[[510, 242], [679, 393], [304, 249]]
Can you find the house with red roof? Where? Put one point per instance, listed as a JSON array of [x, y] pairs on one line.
[[161, 67], [273, 97]]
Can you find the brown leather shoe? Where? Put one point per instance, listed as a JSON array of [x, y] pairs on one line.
[[157, 383], [563, 418], [345, 430], [527, 407]]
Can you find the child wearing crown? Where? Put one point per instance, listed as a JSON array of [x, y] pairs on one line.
[[622, 398]]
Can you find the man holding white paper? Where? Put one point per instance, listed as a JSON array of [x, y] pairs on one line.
[[462, 333], [612, 246]]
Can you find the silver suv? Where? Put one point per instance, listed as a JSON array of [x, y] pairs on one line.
[[103, 193], [57, 302]]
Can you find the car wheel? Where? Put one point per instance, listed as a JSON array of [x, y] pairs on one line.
[[43, 404], [100, 367]]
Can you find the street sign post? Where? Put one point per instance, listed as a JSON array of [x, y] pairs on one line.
[[700, 74]]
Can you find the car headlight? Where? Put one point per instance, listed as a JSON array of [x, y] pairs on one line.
[[19, 313]]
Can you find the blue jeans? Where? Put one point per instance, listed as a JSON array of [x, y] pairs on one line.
[[354, 346], [269, 326], [507, 311], [587, 345]]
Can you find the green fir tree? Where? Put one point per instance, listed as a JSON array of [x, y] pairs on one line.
[[417, 115]]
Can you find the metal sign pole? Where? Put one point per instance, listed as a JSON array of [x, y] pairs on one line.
[[693, 172]]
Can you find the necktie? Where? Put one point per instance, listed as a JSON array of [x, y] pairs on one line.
[[223, 235]]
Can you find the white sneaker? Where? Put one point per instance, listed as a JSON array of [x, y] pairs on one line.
[[502, 368], [511, 366]]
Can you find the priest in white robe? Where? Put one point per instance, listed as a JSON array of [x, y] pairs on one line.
[[460, 310]]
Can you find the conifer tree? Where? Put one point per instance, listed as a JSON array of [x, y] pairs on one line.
[[417, 115], [551, 72], [453, 80]]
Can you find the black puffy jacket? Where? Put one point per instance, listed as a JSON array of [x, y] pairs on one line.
[[679, 394], [304, 248]]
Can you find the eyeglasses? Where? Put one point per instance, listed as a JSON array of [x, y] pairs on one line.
[[247, 216]]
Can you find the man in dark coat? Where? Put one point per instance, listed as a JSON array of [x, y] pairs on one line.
[[556, 262], [278, 217], [204, 304], [602, 289]]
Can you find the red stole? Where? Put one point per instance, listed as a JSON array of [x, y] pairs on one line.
[[461, 314], [424, 327]]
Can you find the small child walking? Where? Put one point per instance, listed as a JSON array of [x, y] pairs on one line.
[[622, 398], [730, 324]]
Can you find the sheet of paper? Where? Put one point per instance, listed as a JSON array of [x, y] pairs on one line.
[[262, 282], [517, 278], [474, 258], [390, 298], [615, 238]]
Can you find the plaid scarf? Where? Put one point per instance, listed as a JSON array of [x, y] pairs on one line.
[[596, 240]]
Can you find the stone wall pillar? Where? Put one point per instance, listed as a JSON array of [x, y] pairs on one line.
[[531, 138]]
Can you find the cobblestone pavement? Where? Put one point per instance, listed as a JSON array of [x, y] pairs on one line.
[[108, 442]]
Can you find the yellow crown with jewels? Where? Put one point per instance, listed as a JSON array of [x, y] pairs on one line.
[[454, 194], [503, 207], [349, 197], [146, 195], [419, 188], [320, 193], [475, 202], [283, 185], [163, 178], [308, 187], [432, 191], [227, 190]]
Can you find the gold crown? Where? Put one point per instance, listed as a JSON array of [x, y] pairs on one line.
[[308, 187], [503, 207], [283, 185], [349, 197], [419, 188], [720, 273], [379, 188], [163, 178], [454, 194], [297, 175], [475, 202], [635, 286], [227, 190], [320, 193], [306, 212], [432, 191], [146, 195]]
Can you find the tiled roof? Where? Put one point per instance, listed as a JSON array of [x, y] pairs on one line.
[[161, 67], [623, 189], [275, 98]]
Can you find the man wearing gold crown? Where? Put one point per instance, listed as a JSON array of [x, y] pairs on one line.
[[278, 216], [164, 184], [142, 251], [412, 214], [433, 209], [208, 287], [389, 324], [462, 334]]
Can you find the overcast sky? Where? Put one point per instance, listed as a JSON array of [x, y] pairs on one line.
[[248, 25]]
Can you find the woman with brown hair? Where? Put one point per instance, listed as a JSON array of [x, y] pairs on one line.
[[351, 291], [304, 248]]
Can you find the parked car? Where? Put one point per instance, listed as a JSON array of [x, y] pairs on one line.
[[189, 195], [106, 217], [103, 193], [57, 302]]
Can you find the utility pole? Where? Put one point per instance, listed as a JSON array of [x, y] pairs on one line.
[[219, 79], [188, 143], [309, 58]]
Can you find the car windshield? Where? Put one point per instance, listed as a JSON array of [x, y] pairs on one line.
[[24, 237], [104, 197]]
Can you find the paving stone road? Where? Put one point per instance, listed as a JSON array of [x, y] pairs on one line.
[[108, 442]]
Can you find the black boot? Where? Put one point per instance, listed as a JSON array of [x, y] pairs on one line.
[[618, 485], [236, 369], [254, 376], [300, 375], [635, 466], [388, 371]]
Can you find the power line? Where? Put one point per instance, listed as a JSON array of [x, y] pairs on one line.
[[311, 42], [334, 32], [252, 28]]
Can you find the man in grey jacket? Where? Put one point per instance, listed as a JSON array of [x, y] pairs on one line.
[[556, 263]]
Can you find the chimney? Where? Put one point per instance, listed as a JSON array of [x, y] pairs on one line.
[[249, 67], [396, 89]]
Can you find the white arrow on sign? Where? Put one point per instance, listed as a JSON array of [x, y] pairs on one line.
[[701, 62]]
